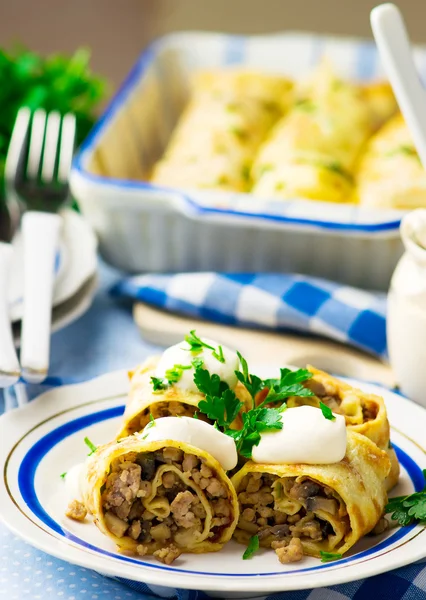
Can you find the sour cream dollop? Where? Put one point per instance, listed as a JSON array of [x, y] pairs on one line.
[[180, 354], [306, 437], [73, 480], [196, 433]]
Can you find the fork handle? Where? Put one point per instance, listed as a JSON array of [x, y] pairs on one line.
[[40, 232], [9, 365]]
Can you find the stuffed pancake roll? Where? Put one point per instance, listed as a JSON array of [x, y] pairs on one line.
[[363, 413], [390, 174], [164, 386], [311, 152], [164, 491], [302, 509], [229, 115]]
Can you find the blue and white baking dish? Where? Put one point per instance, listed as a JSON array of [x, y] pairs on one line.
[[143, 227]]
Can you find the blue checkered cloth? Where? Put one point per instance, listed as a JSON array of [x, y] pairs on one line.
[[273, 301]]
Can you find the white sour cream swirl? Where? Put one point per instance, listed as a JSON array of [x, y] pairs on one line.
[[73, 480], [180, 354], [196, 433], [307, 437]]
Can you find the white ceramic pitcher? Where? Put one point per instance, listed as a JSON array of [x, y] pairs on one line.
[[406, 321]]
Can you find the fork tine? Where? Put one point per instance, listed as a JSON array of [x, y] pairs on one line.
[[17, 145], [67, 147], [36, 143], [50, 146]]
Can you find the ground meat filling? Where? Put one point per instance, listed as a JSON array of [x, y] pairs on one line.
[[171, 517], [355, 409], [282, 512]]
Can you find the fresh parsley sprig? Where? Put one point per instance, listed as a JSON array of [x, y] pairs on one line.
[[252, 383], [196, 344], [174, 374], [158, 384], [289, 384], [255, 422], [220, 404], [327, 412], [90, 445], [329, 556], [148, 426], [407, 509], [253, 546]]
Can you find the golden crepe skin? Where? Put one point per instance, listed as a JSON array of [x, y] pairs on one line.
[[311, 152], [143, 401], [357, 482], [364, 413], [390, 174], [229, 114], [98, 467]]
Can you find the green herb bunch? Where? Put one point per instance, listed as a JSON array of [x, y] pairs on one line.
[[57, 82]]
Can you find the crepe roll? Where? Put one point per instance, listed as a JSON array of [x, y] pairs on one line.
[[228, 116], [180, 397], [390, 174], [305, 509], [311, 152], [364, 413], [154, 495]]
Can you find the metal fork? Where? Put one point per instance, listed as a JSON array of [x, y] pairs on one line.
[[36, 173]]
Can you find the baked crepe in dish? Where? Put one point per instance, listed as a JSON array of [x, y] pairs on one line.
[[329, 507], [311, 152], [173, 401], [228, 116], [160, 496], [364, 413], [390, 174]]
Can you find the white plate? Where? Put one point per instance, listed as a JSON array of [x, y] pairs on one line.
[[76, 263], [69, 311], [45, 438]]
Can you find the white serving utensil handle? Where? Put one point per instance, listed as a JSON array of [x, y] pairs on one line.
[[40, 232], [395, 51], [9, 364]]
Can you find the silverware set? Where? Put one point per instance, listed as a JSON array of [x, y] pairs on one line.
[[36, 184]]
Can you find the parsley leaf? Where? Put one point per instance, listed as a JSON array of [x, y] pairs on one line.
[[210, 385], [197, 363], [219, 354], [196, 343], [158, 384], [327, 412], [255, 422], [63, 475], [406, 509], [90, 445], [289, 384], [220, 404], [327, 556], [175, 374], [253, 546], [148, 426], [253, 383]]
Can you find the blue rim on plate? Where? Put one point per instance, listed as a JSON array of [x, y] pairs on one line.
[[235, 53], [31, 460]]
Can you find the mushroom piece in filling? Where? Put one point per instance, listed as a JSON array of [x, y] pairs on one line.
[[159, 499], [353, 406], [290, 515]]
